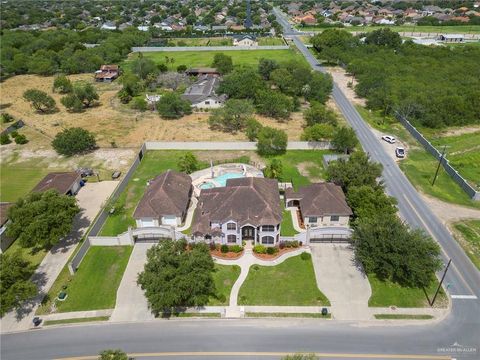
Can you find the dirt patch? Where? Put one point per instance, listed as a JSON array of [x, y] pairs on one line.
[[448, 212], [461, 131], [304, 170], [342, 79], [229, 255]]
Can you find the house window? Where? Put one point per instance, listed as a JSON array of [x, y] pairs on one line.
[[312, 219], [207, 102], [231, 239], [334, 218], [231, 226], [268, 228], [268, 240]]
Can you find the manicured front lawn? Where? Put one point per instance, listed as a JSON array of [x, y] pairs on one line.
[[290, 283], [387, 293], [75, 321], [17, 180], [286, 228], [205, 58], [470, 239], [224, 277], [34, 257], [94, 286]]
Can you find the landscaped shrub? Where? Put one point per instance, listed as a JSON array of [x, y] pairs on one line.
[[259, 249], [21, 139], [236, 248], [6, 118], [224, 249], [5, 139], [305, 256], [291, 244], [14, 134], [139, 103], [272, 250], [281, 245], [212, 246]]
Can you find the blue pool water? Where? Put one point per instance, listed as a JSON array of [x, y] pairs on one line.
[[221, 180]]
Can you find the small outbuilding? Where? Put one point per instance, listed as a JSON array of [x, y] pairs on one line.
[[107, 73], [65, 183]]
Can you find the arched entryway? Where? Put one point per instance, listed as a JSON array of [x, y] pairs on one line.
[[248, 232]]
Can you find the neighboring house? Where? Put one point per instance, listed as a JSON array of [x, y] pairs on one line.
[[245, 209], [5, 242], [202, 71], [107, 73], [320, 205], [152, 99], [165, 201], [109, 26], [451, 38], [65, 183], [245, 40], [202, 95]]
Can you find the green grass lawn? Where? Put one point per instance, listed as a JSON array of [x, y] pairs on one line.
[[34, 257], [290, 283], [75, 321], [224, 277], [461, 29], [402, 317], [270, 41], [283, 315], [387, 293], [286, 228], [205, 58], [470, 239], [94, 285]]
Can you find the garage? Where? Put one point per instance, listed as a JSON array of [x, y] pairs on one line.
[[147, 223], [169, 220]]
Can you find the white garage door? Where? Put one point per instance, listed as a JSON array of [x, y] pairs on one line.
[[147, 223], [169, 220]]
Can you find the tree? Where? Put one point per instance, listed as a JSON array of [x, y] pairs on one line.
[[188, 163], [252, 129], [73, 141], [223, 63], [332, 44], [271, 141], [132, 86], [274, 169], [232, 117], [266, 66], [367, 201], [344, 139], [139, 103], [143, 66], [319, 114], [72, 103], [111, 354], [241, 84], [285, 81], [318, 132], [5, 139], [85, 92], [319, 87], [40, 100], [40, 220], [172, 106], [384, 37], [15, 284], [21, 139], [389, 249], [177, 276], [358, 170], [181, 68], [274, 104], [62, 84]]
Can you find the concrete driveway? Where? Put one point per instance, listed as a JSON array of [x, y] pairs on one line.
[[131, 303], [341, 280]]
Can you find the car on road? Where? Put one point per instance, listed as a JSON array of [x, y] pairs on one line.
[[400, 152], [388, 138]]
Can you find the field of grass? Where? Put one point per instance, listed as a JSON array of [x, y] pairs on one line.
[[156, 162], [270, 41], [94, 285], [224, 277], [205, 58], [387, 293], [290, 283], [462, 29], [219, 41], [469, 239], [402, 317], [75, 321]]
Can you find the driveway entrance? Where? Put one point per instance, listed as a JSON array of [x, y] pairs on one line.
[[341, 280]]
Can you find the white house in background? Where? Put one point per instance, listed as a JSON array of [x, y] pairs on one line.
[[245, 40], [320, 205], [165, 201], [202, 95]]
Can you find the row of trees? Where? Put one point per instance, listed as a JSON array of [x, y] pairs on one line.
[[431, 86], [384, 245]]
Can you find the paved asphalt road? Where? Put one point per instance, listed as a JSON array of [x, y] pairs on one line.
[[458, 336]]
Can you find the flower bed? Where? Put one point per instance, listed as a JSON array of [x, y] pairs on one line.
[[225, 251], [276, 255]]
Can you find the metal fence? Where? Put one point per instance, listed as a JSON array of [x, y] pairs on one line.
[[474, 194]]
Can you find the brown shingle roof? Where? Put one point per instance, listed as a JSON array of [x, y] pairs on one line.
[[60, 181], [167, 194], [320, 199], [4, 206], [249, 200]]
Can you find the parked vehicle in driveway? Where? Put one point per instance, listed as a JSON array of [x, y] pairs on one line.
[[388, 138], [400, 152]]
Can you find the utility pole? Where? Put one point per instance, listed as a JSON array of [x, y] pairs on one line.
[[439, 163], [441, 281]]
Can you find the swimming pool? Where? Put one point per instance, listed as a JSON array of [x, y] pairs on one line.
[[221, 180]]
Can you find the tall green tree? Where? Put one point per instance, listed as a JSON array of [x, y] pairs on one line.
[[319, 114], [73, 141], [344, 139], [188, 163], [172, 106], [241, 84], [15, 284], [177, 276], [367, 201], [40, 100], [223, 63], [319, 87], [273, 104], [271, 141], [143, 66], [384, 37], [40, 220], [266, 66], [62, 84], [233, 116], [274, 169]]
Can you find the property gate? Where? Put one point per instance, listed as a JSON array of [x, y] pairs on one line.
[[329, 235]]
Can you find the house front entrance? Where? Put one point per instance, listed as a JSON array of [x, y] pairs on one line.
[[248, 233]]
